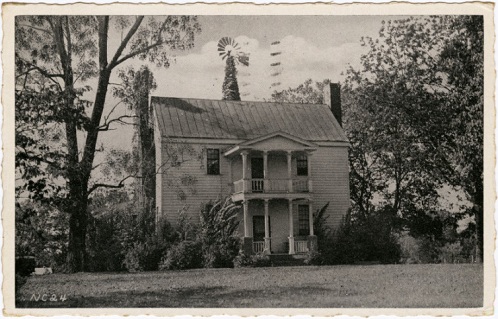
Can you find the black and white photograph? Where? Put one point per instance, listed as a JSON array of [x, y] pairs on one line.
[[201, 158]]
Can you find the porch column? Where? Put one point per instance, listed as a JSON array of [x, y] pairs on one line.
[[289, 171], [265, 171], [230, 177], [310, 183], [247, 232], [267, 228], [310, 205], [291, 230], [244, 171]]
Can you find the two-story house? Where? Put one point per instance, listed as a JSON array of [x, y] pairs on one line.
[[280, 161]]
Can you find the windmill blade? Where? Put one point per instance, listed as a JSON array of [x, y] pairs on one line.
[[243, 59]]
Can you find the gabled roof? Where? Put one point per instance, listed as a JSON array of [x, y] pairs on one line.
[[247, 145], [199, 118], [279, 133]]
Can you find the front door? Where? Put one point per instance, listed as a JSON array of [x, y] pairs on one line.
[[257, 167], [257, 174], [258, 228]]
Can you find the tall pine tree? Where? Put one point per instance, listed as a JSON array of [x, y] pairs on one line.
[[230, 85]]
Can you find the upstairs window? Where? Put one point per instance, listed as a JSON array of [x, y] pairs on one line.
[[213, 161], [302, 165], [304, 220]]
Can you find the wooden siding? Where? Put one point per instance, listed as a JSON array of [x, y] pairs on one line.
[[329, 168], [206, 187], [330, 174]]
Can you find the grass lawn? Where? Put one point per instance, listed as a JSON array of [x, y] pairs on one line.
[[446, 285]]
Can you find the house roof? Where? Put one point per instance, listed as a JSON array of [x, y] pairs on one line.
[[199, 118]]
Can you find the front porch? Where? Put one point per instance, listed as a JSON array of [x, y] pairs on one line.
[[278, 226]]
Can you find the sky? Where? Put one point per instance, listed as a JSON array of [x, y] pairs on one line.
[[316, 47]]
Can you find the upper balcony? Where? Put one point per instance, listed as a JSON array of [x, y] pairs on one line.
[[273, 166]]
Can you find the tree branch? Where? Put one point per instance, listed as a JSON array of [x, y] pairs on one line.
[[120, 184], [125, 41], [131, 55], [105, 126]]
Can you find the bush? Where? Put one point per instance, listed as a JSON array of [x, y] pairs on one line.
[[313, 258], [257, 260], [145, 256], [218, 233], [25, 265], [367, 240], [184, 255]]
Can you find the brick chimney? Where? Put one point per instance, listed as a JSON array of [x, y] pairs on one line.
[[332, 97]]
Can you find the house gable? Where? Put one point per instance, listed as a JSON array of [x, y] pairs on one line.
[[274, 141]]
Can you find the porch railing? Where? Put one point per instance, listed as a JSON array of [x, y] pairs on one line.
[[260, 185], [257, 185], [301, 246], [277, 185], [258, 246]]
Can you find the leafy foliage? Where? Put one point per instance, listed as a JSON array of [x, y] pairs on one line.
[[304, 93], [218, 233], [413, 115], [56, 56], [184, 255], [257, 260], [230, 87]]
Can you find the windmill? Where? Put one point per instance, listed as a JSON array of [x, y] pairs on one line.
[[229, 49], [276, 65]]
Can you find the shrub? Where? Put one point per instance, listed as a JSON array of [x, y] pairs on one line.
[[184, 255], [257, 260], [25, 265], [409, 249], [313, 258], [451, 253], [218, 233], [367, 240], [145, 256]]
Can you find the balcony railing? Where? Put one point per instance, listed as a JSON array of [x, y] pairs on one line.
[[260, 185], [301, 246], [258, 246]]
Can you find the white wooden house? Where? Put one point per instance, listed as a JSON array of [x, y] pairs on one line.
[[280, 161]]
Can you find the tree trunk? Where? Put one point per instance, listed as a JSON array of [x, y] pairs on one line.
[[147, 151], [76, 256], [79, 173]]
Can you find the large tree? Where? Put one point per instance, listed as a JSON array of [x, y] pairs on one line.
[[413, 115], [57, 56]]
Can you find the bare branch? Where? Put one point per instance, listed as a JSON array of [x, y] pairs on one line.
[[120, 184], [105, 126]]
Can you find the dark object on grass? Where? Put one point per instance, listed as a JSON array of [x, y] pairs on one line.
[[25, 265]]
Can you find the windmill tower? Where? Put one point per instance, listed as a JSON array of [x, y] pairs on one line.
[[229, 49], [276, 64]]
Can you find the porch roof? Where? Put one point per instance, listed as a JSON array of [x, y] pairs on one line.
[[293, 143], [200, 118]]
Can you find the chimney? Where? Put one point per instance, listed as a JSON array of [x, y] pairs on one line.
[[332, 97]]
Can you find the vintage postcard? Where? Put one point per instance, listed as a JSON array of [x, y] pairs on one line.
[[242, 159]]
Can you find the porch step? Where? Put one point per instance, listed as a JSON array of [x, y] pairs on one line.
[[287, 260]]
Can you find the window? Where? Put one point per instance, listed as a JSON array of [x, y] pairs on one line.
[[302, 165], [213, 161], [304, 220]]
